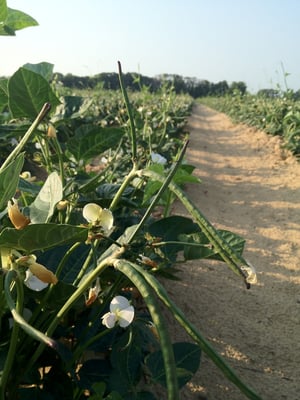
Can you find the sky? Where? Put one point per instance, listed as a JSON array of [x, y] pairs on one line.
[[254, 41]]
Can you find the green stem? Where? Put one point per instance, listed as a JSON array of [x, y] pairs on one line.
[[129, 111], [149, 297], [60, 160], [123, 186], [195, 335], [26, 137], [10, 277], [86, 263], [79, 350]]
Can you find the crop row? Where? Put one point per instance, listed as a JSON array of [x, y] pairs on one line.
[[278, 115]]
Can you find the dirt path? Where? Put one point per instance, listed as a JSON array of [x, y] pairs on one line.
[[251, 187]]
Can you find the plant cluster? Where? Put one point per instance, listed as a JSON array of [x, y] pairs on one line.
[[86, 188], [278, 114]]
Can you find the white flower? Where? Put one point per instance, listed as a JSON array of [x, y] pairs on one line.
[[158, 159], [93, 293], [98, 216], [34, 283], [121, 313]]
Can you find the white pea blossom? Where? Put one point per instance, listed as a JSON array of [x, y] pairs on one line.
[[121, 313], [34, 283], [98, 216], [158, 159]]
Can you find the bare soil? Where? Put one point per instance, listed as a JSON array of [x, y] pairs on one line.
[[251, 186]]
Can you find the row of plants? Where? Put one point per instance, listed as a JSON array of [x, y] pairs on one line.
[[276, 115], [87, 183]]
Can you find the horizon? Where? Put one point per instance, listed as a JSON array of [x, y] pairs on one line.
[[253, 42]]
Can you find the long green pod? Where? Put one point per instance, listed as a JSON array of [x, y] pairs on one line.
[[194, 334], [234, 261], [137, 278], [130, 115]]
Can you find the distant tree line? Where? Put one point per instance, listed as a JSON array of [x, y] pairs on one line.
[[192, 86]]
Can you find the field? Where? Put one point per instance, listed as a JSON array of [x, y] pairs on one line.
[[101, 214], [87, 234]]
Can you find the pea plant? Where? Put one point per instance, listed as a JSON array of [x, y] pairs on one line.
[[86, 234], [276, 115]]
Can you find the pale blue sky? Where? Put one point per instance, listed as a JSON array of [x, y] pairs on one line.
[[231, 40]]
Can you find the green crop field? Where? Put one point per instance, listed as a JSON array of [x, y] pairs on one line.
[[87, 181]]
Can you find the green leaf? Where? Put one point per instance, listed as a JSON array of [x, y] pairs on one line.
[[59, 294], [9, 179], [3, 93], [41, 236], [126, 359], [169, 229], [28, 187], [44, 69], [52, 257], [41, 210], [19, 20], [205, 250], [3, 11], [93, 371], [187, 359], [28, 92], [90, 141], [70, 106]]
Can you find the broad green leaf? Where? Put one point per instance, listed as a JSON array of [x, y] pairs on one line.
[[92, 141], [3, 93], [44, 69], [19, 20], [60, 293], [93, 371], [187, 358], [169, 229], [28, 92], [183, 176], [5, 30], [3, 11], [41, 210], [28, 187], [205, 250], [9, 179], [41, 236], [51, 259], [126, 359], [70, 105]]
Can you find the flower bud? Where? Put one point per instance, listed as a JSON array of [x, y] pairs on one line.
[[42, 273], [18, 219], [51, 132]]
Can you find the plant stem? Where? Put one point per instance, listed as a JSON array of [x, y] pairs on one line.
[[59, 153], [123, 186], [26, 137], [11, 275], [129, 111]]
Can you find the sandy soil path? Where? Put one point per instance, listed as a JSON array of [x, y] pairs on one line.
[[252, 187]]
